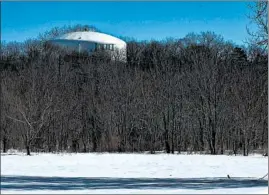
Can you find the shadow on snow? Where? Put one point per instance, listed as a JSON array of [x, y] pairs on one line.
[[83, 183]]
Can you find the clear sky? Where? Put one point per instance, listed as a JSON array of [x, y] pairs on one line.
[[140, 20]]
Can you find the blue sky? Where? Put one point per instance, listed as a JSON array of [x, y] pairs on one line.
[[140, 20]]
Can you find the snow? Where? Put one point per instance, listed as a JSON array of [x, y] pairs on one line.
[[133, 173]]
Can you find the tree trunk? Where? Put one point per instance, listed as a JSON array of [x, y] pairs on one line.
[[178, 145], [234, 148], [173, 147], [4, 145], [245, 149], [94, 134], [84, 146], [221, 146], [167, 146], [28, 150], [201, 134], [94, 144], [74, 146]]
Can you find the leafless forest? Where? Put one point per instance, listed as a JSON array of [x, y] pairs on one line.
[[200, 93]]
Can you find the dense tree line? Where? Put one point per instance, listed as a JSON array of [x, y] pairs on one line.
[[199, 93]]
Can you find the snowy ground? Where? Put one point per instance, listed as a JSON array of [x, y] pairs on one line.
[[132, 173]]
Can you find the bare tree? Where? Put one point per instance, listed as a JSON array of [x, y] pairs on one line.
[[196, 94], [259, 17]]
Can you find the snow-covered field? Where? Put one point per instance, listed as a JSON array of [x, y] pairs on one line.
[[132, 173]]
